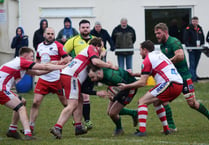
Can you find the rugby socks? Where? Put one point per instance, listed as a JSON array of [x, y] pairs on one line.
[[78, 125], [58, 126], [142, 117], [13, 128], [126, 111], [32, 125], [27, 132], [118, 123], [160, 110], [202, 109], [169, 117], [86, 110]]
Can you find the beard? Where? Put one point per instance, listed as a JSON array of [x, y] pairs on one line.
[[162, 40], [85, 33], [50, 40]]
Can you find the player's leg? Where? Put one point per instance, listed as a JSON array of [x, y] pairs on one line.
[[86, 111], [125, 111], [169, 116], [160, 111], [18, 106], [35, 109], [143, 103], [63, 118], [56, 87], [77, 116], [189, 94], [114, 115], [12, 131], [41, 89]]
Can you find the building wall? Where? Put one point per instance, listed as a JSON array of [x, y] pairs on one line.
[[27, 13]]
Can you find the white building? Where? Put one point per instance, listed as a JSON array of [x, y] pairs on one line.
[[141, 15]]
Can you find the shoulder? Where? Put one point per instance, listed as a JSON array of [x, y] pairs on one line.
[[58, 44]]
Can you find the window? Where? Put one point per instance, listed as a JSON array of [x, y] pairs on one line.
[[48, 12], [176, 19]]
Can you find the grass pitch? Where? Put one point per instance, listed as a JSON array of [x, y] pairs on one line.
[[193, 127]]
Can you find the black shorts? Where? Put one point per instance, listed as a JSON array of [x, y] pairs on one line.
[[125, 96]]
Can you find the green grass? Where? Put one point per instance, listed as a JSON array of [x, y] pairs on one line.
[[193, 128]]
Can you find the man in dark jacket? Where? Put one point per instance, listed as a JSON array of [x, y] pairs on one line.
[[19, 40], [124, 37], [194, 37], [38, 34], [67, 32], [98, 31]]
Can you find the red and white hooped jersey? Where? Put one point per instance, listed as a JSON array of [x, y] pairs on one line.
[[77, 67], [13, 70], [49, 53], [160, 67]]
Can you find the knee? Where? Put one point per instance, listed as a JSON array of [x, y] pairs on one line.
[[112, 114], [22, 100], [36, 104], [192, 104]]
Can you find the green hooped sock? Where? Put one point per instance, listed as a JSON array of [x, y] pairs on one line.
[[126, 111], [169, 117], [203, 110]]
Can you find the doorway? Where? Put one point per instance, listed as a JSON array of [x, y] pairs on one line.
[[176, 19]]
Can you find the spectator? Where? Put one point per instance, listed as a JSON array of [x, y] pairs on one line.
[[124, 37], [19, 40], [67, 32], [98, 31], [194, 37], [38, 35]]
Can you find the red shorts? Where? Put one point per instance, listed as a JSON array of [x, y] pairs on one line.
[[6, 96], [43, 87], [72, 87], [167, 91]]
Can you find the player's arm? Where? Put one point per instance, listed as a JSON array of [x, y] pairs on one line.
[[138, 84], [47, 67], [99, 63], [37, 72], [179, 56]]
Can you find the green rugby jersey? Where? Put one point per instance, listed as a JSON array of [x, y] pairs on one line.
[[169, 49], [113, 77]]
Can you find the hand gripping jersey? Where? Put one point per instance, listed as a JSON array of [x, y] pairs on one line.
[[49, 53], [161, 68], [13, 70], [77, 67]]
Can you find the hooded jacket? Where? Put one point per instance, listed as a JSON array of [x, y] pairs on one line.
[[19, 41], [68, 32], [38, 35]]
